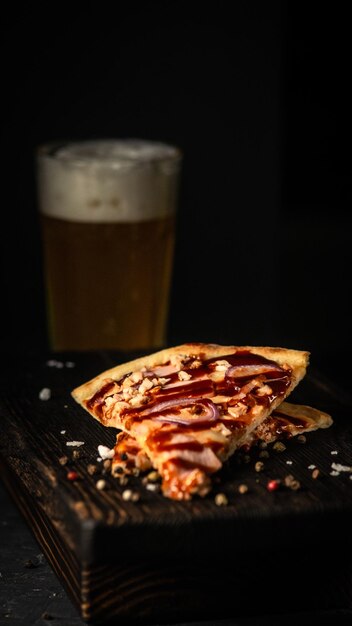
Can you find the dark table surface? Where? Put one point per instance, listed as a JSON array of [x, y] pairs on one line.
[[30, 592]]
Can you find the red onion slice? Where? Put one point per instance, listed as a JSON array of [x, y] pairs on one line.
[[211, 413], [242, 371]]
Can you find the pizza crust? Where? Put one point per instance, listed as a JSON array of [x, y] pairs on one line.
[[297, 360]]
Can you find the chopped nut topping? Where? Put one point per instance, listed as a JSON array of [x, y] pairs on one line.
[[195, 364], [183, 375], [222, 365], [264, 454], [279, 446], [145, 385], [153, 476], [127, 494], [137, 376], [264, 390], [291, 482], [221, 499]]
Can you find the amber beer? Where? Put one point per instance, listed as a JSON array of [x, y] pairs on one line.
[[108, 224]]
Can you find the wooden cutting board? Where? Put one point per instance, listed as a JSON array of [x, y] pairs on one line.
[[158, 561]]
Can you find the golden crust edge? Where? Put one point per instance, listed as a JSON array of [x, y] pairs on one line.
[[318, 417]]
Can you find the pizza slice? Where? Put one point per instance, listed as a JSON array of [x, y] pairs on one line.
[[203, 400], [289, 420], [285, 422]]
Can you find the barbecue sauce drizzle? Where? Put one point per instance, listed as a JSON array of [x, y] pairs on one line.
[[199, 386]]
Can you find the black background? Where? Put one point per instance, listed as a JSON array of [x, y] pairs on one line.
[[256, 94]]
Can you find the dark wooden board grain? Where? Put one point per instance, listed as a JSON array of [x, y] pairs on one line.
[[160, 560]]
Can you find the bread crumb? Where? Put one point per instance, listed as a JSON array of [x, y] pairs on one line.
[[45, 393], [105, 452], [75, 444]]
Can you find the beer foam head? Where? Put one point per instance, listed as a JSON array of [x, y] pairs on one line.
[[108, 180]]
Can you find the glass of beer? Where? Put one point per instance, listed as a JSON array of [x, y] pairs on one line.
[[107, 211]]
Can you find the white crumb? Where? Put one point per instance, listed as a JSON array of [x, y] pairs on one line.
[[70, 364], [55, 363], [62, 432], [288, 462], [334, 452], [311, 467], [45, 393], [75, 444], [334, 473], [341, 468], [105, 452]]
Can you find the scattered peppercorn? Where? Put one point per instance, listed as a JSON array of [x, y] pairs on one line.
[[273, 485], [259, 466], [315, 473], [243, 489], [76, 454], [72, 475], [63, 460], [101, 484], [301, 438], [127, 494], [107, 464]]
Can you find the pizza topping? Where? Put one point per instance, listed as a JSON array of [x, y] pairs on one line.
[[207, 410]]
